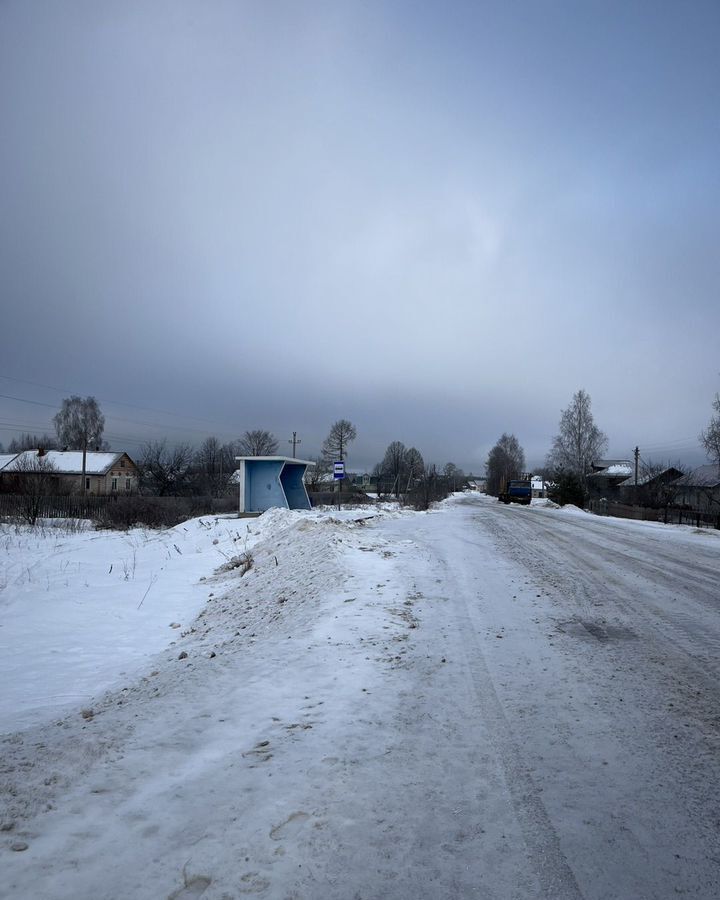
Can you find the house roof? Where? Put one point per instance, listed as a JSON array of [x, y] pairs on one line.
[[6, 458], [604, 463], [704, 476], [619, 469], [647, 478], [68, 462]]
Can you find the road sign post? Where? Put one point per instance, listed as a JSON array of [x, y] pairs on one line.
[[338, 475]]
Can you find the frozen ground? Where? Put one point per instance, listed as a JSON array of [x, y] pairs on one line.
[[482, 701]]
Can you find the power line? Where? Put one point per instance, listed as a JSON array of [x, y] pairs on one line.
[[163, 412], [122, 418], [34, 402]]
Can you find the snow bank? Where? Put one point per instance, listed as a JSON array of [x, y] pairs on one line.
[[80, 609], [573, 510]]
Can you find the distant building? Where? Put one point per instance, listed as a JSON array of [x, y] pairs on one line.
[[655, 489], [106, 472], [699, 489], [538, 487], [606, 477]]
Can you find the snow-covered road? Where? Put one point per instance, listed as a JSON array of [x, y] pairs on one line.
[[480, 701]]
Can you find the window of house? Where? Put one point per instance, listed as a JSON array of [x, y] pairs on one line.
[[113, 486], [127, 484], [87, 484], [122, 463]]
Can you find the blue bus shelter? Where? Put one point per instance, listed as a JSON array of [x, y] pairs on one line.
[[267, 481]]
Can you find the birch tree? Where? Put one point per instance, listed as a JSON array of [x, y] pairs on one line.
[[710, 436], [579, 440]]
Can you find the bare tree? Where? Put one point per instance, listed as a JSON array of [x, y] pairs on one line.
[[505, 461], [258, 443], [393, 467], [579, 441], [166, 471], [33, 475], [316, 477], [454, 476], [335, 446], [28, 441], [427, 489], [80, 425], [214, 463], [414, 465], [710, 436]]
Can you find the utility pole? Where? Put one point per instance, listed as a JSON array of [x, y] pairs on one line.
[[637, 458], [84, 463], [295, 440]]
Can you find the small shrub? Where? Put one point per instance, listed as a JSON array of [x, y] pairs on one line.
[[159, 512]]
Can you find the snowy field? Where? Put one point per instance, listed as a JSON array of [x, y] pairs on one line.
[[480, 701]]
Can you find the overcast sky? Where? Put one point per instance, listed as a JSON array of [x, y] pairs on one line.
[[435, 219]]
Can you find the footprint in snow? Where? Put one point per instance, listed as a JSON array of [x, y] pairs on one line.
[[194, 886], [260, 752], [290, 826], [253, 883]]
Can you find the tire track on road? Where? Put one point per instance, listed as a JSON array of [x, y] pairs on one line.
[[547, 861]]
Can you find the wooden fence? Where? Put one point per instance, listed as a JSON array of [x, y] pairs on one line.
[[675, 515]]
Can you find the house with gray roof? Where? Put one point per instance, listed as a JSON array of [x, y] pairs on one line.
[[699, 489], [655, 488]]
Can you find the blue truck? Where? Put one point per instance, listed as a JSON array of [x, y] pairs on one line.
[[517, 490]]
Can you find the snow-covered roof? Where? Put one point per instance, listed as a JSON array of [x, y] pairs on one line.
[[615, 470], [6, 458], [604, 463], [618, 469], [703, 476], [68, 462]]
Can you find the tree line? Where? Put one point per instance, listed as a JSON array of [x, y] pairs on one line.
[[576, 446], [165, 469], [179, 469]]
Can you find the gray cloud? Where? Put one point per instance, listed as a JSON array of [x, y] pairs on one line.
[[438, 223]]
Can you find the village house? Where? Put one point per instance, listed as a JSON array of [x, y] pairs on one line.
[[606, 477], [107, 473], [653, 489], [699, 489]]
